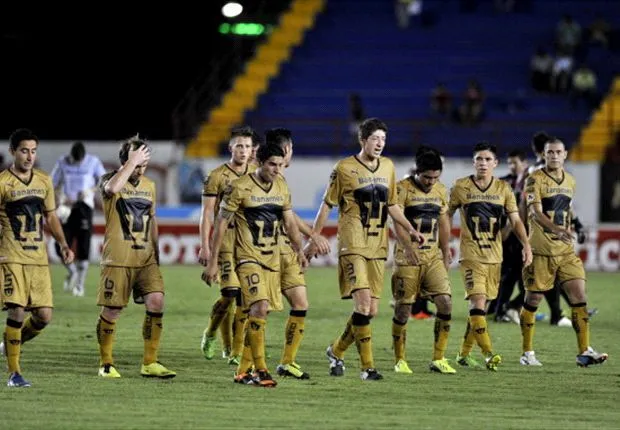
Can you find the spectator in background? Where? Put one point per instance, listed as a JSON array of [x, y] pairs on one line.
[[561, 72], [356, 112], [441, 100], [600, 30], [568, 34], [584, 87], [470, 112], [541, 66]]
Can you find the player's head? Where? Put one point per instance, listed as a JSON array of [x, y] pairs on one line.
[[78, 152], [538, 143], [23, 145], [271, 161], [240, 144], [132, 144], [428, 167], [555, 154], [516, 161], [284, 139], [372, 135], [256, 142], [485, 159]]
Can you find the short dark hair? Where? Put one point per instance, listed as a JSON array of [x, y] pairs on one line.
[[267, 151], [369, 126], [554, 139], [427, 158], [278, 136], [241, 131], [78, 152], [20, 135], [539, 140], [132, 143], [517, 153], [256, 139], [485, 146]]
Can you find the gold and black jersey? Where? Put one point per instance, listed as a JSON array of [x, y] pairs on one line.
[[128, 239], [258, 210], [423, 210], [481, 211], [23, 205], [362, 195], [555, 197], [215, 185]]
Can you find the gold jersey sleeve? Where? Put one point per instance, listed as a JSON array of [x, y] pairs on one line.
[[481, 212], [128, 240], [556, 199], [423, 211], [215, 186], [258, 219], [23, 206], [362, 196]]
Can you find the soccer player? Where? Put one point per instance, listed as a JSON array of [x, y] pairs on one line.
[[130, 259], [482, 201], [363, 187], [224, 314], [75, 177], [425, 203], [549, 195], [260, 204], [26, 199]]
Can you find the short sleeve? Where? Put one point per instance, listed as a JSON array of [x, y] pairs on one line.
[[99, 169], [332, 193], [104, 181], [288, 204], [401, 194], [154, 205], [56, 174], [49, 204], [532, 191], [231, 199], [444, 200], [455, 198], [210, 186], [511, 201], [392, 192]]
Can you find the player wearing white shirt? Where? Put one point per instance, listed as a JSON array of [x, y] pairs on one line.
[[75, 178]]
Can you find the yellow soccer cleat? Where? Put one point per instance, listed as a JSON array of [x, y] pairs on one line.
[[492, 361], [402, 367], [156, 370], [441, 366], [109, 371]]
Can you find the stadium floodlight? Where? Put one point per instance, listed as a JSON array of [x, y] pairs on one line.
[[232, 9]]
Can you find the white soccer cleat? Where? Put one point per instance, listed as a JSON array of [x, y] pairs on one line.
[[78, 291], [529, 359], [565, 322], [70, 283]]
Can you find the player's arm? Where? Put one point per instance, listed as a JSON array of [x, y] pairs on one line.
[[53, 223], [320, 242], [397, 215], [444, 238], [206, 217], [155, 237], [224, 216], [577, 227], [57, 181], [136, 158], [290, 222], [321, 218], [404, 239], [519, 230]]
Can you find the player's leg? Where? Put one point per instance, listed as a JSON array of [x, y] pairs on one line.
[[239, 325], [112, 295], [40, 301], [538, 278], [437, 285], [464, 357], [82, 255], [405, 286], [149, 286], [572, 276]]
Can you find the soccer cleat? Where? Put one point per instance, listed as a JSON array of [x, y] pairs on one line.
[[529, 359], [78, 291], [492, 361], [336, 365], [422, 315], [108, 371], [233, 360], [262, 378], [370, 375], [513, 316], [207, 346], [69, 284], [244, 378], [402, 367], [564, 322], [441, 366], [292, 369], [467, 361], [590, 356], [17, 381], [226, 353], [156, 370], [592, 312]]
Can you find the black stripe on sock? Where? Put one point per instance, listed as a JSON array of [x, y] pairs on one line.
[[530, 307], [295, 313], [444, 317], [359, 319], [578, 305], [473, 312], [395, 321], [13, 323], [105, 320], [154, 314]]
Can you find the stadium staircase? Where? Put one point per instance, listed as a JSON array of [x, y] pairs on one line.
[[254, 80], [356, 47], [599, 132]]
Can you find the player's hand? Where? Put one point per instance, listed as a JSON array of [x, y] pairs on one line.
[[303, 261], [67, 255], [321, 244], [582, 236], [447, 259], [209, 274], [564, 235], [204, 254], [411, 255], [416, 236], [139, 156], [527, 256]]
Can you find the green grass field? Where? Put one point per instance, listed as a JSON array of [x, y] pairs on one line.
[[66, 393]]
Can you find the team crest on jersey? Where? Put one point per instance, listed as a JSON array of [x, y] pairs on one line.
[[227, 190], [530, 197], [530, 182], [333, 176]]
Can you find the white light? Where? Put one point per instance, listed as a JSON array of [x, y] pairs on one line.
[[232, 9]]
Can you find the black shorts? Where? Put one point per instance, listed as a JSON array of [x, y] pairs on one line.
[[78, 228]]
